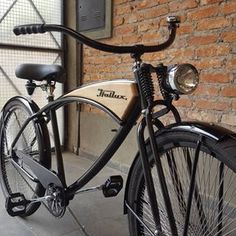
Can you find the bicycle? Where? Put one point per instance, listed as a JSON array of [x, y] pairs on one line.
[[181, 181]]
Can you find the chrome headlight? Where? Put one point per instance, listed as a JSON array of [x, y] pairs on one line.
[[182, 79]]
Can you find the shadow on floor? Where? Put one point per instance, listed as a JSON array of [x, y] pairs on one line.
[[90, 214]]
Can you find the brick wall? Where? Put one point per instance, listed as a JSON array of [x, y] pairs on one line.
[[206, 38]]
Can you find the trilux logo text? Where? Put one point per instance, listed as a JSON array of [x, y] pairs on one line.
[[110, 94]]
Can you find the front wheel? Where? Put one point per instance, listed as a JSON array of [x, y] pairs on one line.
[[213, 206], [33, 141]]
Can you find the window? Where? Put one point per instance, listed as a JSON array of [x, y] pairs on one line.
[[40, 48]]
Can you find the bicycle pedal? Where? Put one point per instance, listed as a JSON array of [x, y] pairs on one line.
[[16, 204], [112, 186]]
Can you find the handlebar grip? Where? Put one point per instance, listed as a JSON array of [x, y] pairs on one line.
[[29, 29]]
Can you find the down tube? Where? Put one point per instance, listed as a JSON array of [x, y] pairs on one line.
[[108, 152]]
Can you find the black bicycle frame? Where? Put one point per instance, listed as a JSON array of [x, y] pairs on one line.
[[123, 131], [49, 111], [142, 106]]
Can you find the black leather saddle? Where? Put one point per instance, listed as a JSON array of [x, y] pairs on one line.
[[40, 72]]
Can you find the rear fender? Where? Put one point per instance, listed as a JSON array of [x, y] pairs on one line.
[[40, 122], [209, 130], [30, 104]]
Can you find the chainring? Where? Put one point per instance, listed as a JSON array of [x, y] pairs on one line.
[[56, 203]]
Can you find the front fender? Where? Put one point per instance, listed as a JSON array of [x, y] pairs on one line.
[[209, 130]]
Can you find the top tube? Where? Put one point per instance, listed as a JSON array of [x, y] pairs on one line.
[[138, 49]]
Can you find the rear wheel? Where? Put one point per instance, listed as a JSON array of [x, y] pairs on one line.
[[33, 141], [213, 206]]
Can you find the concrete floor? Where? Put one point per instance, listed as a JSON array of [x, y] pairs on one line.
[[90, 214]]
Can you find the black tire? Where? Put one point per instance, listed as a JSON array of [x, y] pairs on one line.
[[212, 213], [34, 141]]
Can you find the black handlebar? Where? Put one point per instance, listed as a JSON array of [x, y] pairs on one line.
[[139, 49], [29, 29]]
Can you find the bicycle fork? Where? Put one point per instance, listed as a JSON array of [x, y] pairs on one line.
[[147, 122], [142, 73]]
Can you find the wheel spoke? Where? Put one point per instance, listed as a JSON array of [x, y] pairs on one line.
[[213, 204], [16, 113]]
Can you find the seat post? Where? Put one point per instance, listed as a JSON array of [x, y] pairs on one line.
[[56, 136]]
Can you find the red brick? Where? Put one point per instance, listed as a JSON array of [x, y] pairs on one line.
[[183, 102], [131, 18], [143, 4], [182, 53], [151, 37], [228, 91], [114, 59], [155, 56], [146, 26], [207, 90], [182, 5], [114, 40], [126, 58], [95, 76], [123, 9], [183, 18], [155, 12], [103, 68], [212, 105], [131, 39], [229, 36], [213, 23], [206, 115], [118, 21], [124, 68], [125, 29], [212, 50], [89, 68], [201, 40], [117, 2], [216, 78], [185, 29], [203, 13], [229, 8], [163, 1], [209, 63], [231, 63], [205, 2]]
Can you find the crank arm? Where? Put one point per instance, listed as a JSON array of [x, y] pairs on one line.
[[92, 189], [40, 199], [110, 188]]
